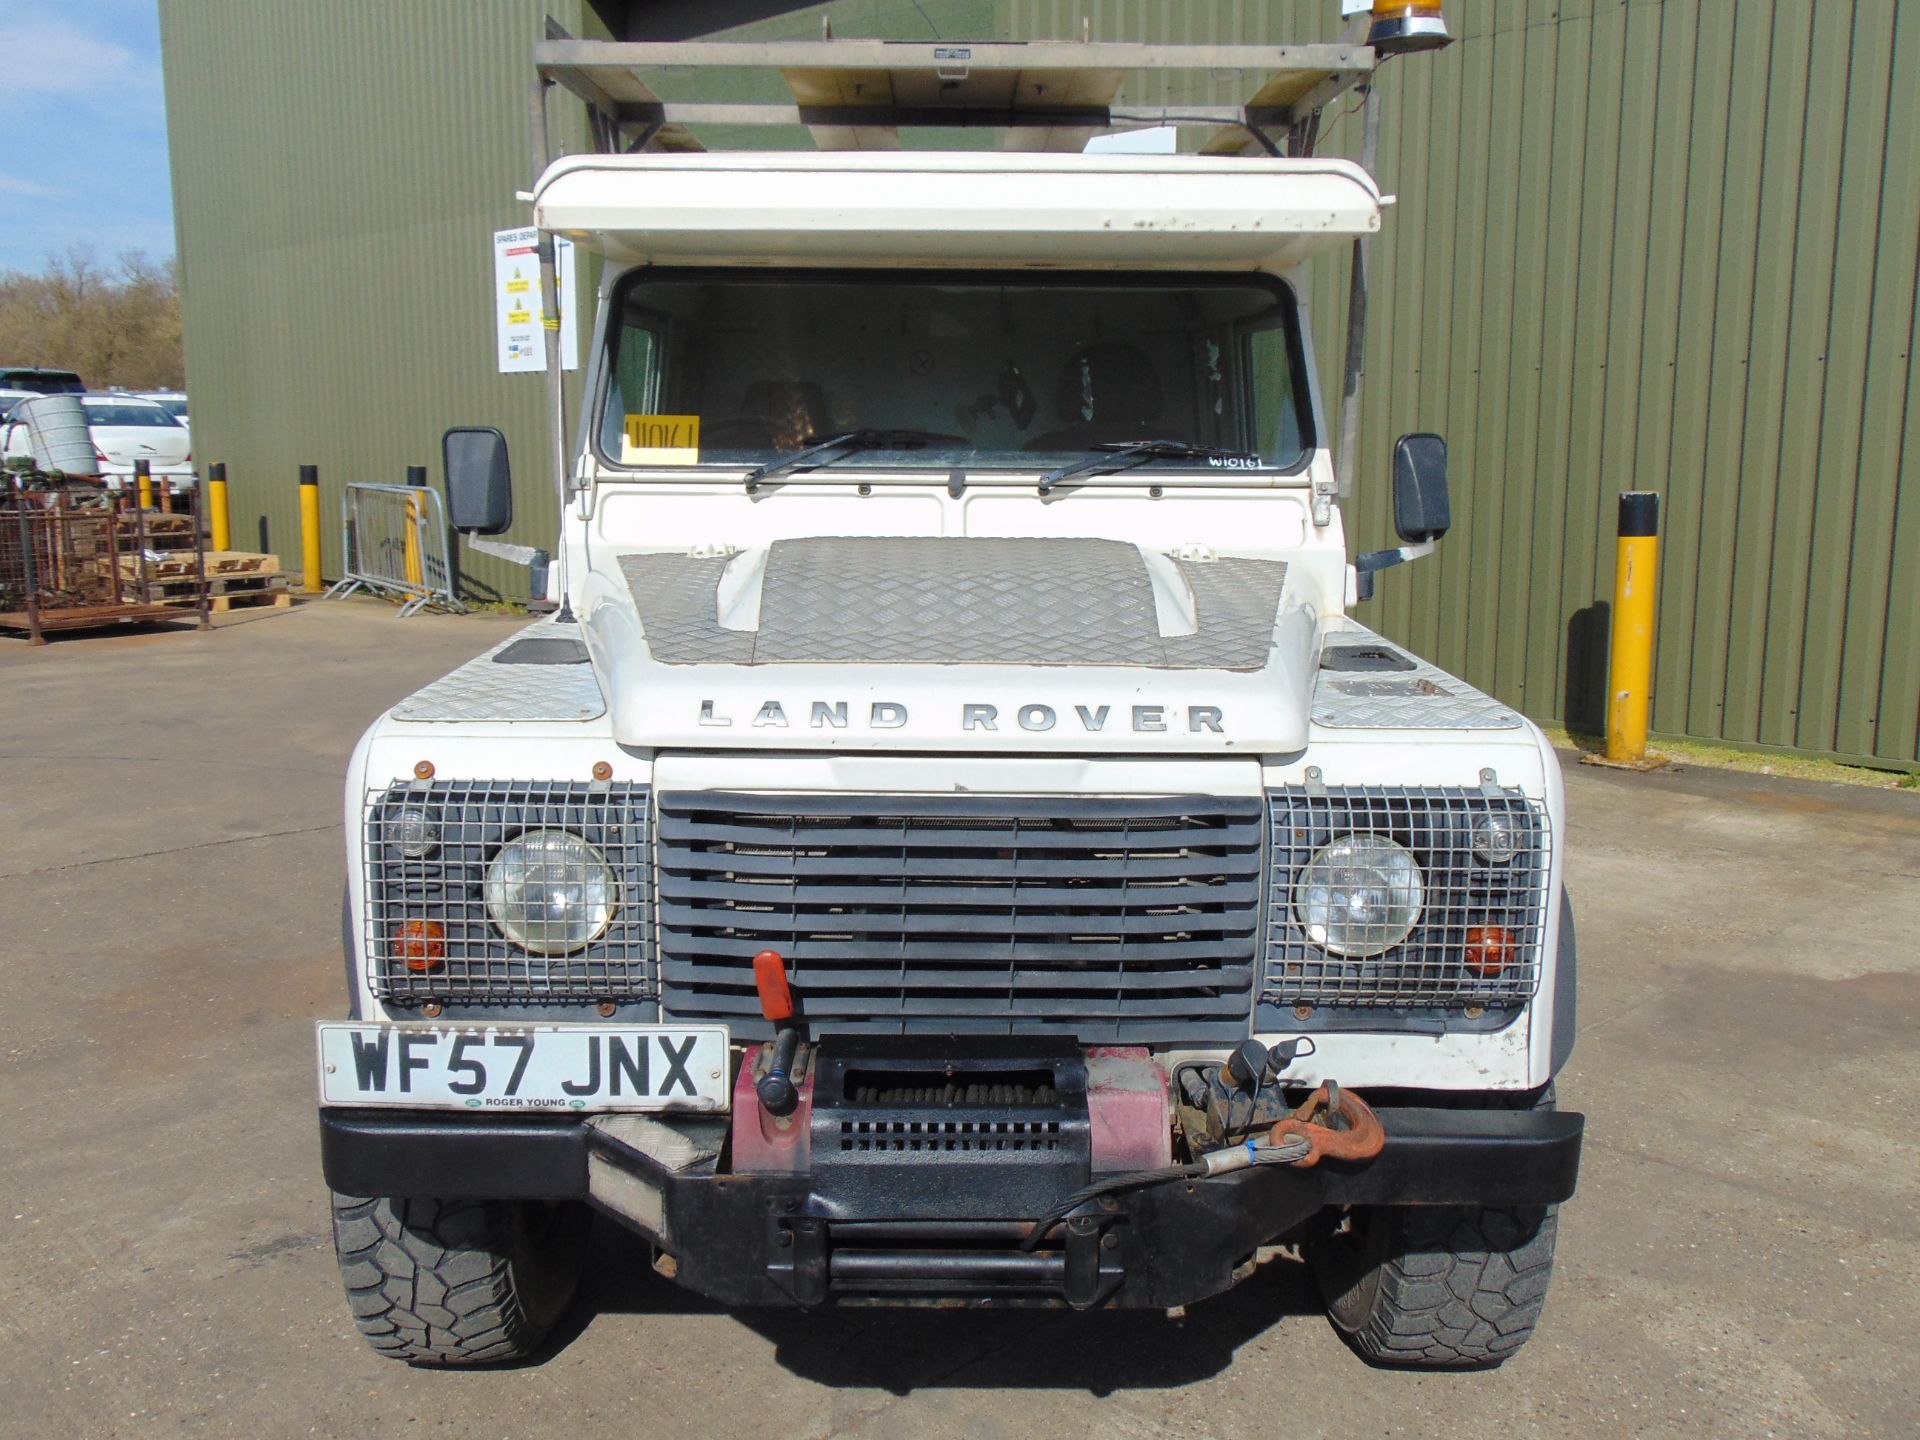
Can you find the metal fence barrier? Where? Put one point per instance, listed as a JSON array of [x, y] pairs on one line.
[[394, 538]]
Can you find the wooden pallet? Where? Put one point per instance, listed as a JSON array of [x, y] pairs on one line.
[[224, 592], [251, 600], [180, 565], [171, 533], [174, 529]]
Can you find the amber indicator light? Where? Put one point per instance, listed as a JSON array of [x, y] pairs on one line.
[[1489, 949], [421, 943]]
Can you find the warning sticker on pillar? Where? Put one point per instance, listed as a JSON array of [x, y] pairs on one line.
[[519, 320]]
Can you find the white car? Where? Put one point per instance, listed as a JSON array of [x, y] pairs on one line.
[[125, 428], [174, 402]]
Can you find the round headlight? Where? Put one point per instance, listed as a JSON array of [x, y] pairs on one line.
[[412, 833], [1359, 896], [549, 892]]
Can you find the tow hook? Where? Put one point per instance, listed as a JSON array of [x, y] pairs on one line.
[[1336, 1124], [1331, 1122]]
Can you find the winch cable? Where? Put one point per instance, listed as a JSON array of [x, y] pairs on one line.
[[1355, 1134], [1261, 1151]]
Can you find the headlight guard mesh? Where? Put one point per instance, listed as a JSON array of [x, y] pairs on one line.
[[1462, 893]]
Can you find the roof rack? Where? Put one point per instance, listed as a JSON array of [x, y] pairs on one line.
[[859, 94]]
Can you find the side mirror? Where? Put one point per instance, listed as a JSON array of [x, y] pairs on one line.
[[479, 483], [1421, 508], [1422, 512]]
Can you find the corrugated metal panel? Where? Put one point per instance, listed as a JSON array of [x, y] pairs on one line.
[[338, 171], [1659, 244], [1883, 594]]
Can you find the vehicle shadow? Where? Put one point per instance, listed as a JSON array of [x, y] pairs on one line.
[[903, 1349], [1583, 702]]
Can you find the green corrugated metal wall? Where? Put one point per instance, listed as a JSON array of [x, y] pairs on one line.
[[1644, 244], [1662, 244], [339, 167], [338, 172]]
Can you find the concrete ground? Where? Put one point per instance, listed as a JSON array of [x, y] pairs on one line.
[[1741, 1259]]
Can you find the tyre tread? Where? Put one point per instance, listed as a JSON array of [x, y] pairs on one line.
[[432, 1282], [1461, 1289]]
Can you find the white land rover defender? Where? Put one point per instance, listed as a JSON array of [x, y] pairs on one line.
[[953, 841]]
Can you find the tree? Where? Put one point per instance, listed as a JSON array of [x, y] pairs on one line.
[[118, 326]]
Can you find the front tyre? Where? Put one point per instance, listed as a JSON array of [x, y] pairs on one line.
[[1437, 1287], [457, 1282]]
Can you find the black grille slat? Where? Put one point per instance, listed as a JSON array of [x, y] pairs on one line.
[[1110, 919], [474, 819], [1063, 1011], [699, 947], [852, 841], [1061, 898], [927, 980], [980, 865], [819, 918]]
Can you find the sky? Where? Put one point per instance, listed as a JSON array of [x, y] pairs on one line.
[[84, 160]]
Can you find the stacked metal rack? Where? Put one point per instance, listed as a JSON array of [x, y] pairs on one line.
[[74, 556]]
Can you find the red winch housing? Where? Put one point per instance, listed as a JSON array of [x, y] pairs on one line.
[[1127, 1106]]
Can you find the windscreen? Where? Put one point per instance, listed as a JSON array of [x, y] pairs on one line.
[[732, 368], [123, 413], [45, 382]]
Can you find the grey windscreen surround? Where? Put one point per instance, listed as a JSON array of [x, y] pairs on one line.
[[957, 601]]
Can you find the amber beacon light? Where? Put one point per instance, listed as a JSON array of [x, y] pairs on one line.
[[1401, 27]]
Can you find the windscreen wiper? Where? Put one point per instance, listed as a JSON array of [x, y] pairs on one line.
[[819, 448], [1115, 456]]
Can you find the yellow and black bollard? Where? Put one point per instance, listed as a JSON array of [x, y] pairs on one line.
[[310, 529], [416, 509], [143, 483], [217, 515], [1630, 662]]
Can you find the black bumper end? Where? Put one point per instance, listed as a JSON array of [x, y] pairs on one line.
[[456, 1157]]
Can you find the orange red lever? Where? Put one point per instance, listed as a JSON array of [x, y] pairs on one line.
[[770, 979]]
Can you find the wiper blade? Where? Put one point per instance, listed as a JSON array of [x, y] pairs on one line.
[[1115, 456], [820, 448]]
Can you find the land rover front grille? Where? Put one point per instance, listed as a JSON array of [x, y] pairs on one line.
[[458, 827], [1106, 919], [1482, 921]]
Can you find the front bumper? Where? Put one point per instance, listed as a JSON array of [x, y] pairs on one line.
[[115, 475], [813, 1238]]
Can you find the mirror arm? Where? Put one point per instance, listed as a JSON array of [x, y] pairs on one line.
[[1370, 562]]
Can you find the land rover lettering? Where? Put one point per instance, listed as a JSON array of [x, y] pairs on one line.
[[1035, 717]]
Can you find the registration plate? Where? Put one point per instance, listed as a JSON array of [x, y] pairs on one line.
[[525, 1067]]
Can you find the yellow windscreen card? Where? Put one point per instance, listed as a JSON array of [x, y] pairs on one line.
[[661, 440]]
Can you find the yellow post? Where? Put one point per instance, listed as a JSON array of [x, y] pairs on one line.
[[416, 477], [218, 517], [143, 478], [310, 528], [1630, 666]]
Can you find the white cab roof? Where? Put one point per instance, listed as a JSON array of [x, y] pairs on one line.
[[957, 208]]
